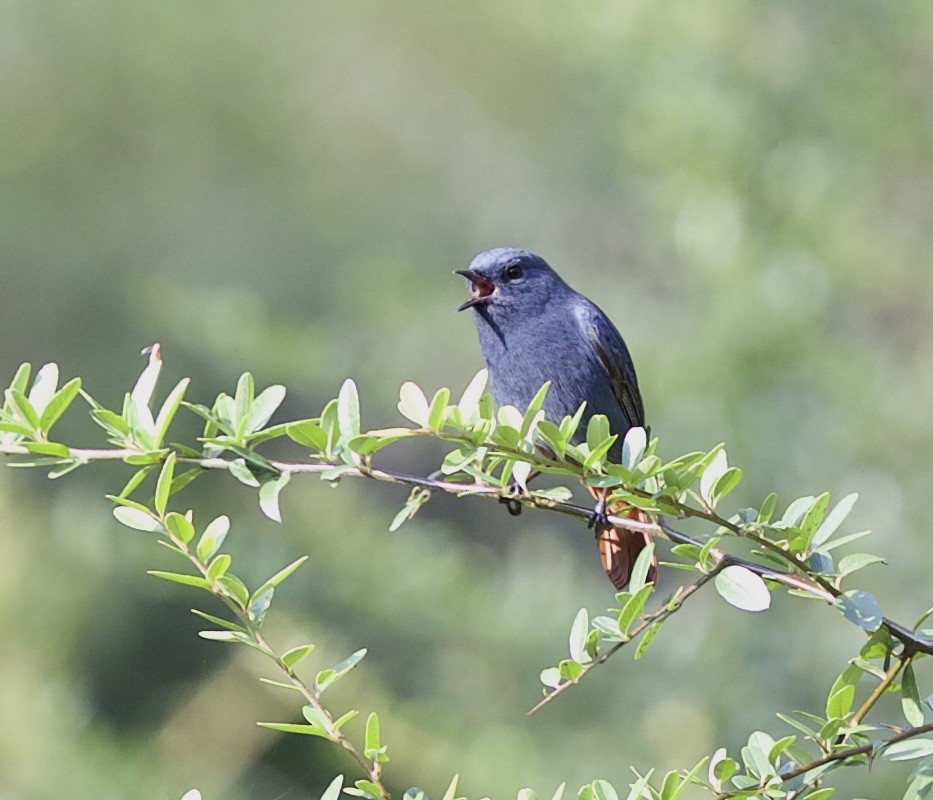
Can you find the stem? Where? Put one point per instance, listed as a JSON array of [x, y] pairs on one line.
[[880, 689], [308, 691], [673, 604], [810, 582], [837, 755]]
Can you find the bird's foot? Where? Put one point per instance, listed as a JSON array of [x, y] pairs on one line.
[[512, 504], [599, 518]]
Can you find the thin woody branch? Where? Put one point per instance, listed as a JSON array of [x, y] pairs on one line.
[[837, 755], [809, 583]]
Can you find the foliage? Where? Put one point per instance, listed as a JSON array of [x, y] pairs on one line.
[[495, 453]]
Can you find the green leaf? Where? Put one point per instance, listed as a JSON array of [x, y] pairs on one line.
[[243, 402], [164, 484], [328, 677], [646, 640], [343, 720], [48, 449], [213, 537], [921, 783], [368, 788], [315, 716], [721, 768], [218, 566], [641, 567], [65, 468], [457, 459], [177, 577], [348, 410], [264, 407], [834, 519], [470, 400], [633, 607], [179, 527], [570, 670], [451, 793], [291, 658], [814, 517], [578, 633], [839, 703], [43, 388], [111, 422], [834, 543], [860, 607], [796, 511], [908, 749], [136, 519], [569, 425], [857, 561], [535, 406], [169, 409], [716, 469], [59, 403], [181, 481], [725, 483], [309, 434], [24, 410], [910, 697], [550, 677], [269, 496], [438, 407], [412, 403], [332, 792], [15, 428], [223, 623], [145, 384], [597, 431], [633, 447], [287, 727], [603, 790], [259, 606], [236, 588], [280, 576], [371, 741], [551, 436], [767, 509], [281, 685], [21, 377], [743, 589]]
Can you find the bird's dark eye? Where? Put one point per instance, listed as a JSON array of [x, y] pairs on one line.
[[513, 272]]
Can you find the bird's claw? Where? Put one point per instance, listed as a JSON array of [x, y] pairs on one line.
[[512, 505], [599, 519]]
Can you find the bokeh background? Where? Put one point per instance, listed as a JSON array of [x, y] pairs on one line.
[[745, 187]]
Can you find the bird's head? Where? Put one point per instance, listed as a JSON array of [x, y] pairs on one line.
[[508, 280]]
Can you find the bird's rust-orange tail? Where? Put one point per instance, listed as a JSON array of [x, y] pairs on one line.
[[618, 547]]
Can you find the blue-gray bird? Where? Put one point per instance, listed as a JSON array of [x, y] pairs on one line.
[[534, 328]]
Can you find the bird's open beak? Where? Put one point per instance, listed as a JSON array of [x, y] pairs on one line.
[[483, 288]]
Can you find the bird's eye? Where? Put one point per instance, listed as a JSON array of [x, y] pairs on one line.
[[513, 272]]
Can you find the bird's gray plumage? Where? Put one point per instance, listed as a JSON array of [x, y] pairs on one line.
[[534, 328]]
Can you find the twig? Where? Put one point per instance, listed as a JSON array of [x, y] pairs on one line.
[[837, 755], [309, 692], [669, 607], [811, 583]]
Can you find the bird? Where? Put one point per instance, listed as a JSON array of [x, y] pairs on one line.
[[533, 328]]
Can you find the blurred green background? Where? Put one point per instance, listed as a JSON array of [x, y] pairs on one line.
[[745, 187]]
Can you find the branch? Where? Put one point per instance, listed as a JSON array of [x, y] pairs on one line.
[[838, 755], [812, 584], [669, 607]]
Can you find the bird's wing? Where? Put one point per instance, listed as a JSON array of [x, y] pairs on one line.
[[613, 356]]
